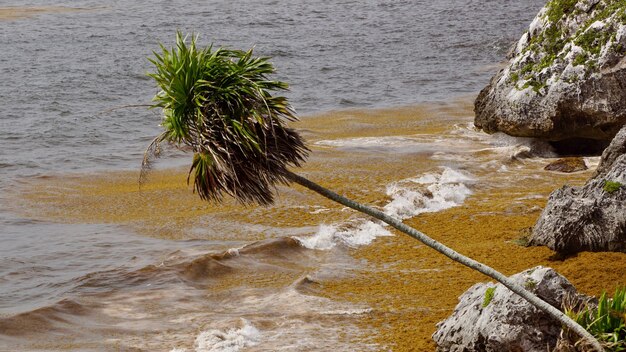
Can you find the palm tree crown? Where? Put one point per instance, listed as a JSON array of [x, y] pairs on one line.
[[218, 103]]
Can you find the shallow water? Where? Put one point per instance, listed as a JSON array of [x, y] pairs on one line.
[[189, 274], [90, 263]]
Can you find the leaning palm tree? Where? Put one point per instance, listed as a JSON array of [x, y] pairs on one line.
[[219, 105]]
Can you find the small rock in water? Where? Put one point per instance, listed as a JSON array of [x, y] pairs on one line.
[[491, 318], [567, 165]]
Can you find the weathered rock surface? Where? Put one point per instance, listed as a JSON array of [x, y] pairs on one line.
[[592, 217], [507, 322], [567, 165], [611, 153], [566, 78]]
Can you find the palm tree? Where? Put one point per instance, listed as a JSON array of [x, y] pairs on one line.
[[218, 104]]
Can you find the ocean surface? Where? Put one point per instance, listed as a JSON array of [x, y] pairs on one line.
[[83, 274]]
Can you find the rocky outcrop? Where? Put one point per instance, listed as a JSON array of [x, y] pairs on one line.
[[611, 153], [491, 318], [567, 165], [566, 78], [592, 217]]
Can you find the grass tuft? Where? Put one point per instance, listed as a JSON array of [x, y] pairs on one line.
[[606, 321], [611, 186]]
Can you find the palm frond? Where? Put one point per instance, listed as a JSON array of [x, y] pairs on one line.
[[152, 152], [219, 104]]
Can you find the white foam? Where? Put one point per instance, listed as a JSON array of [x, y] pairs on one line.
[[387, 144], [233, 251], [231, 340], [352, 234], [428, 193], [371, 142], [354, 311], [592, 161], [516, 147], [401, 144]]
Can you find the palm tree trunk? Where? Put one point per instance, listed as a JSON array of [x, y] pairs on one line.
[[452, 254]]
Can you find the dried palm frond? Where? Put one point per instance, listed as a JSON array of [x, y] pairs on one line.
[[218, 103]]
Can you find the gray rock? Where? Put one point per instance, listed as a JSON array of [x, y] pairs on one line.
[[507, 322], [567, 76], [611, 153], [592, 217]]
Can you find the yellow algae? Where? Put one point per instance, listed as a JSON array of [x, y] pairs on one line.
[[427, 119], [408, 286], [166, 207], [18, 12], [413, 287]]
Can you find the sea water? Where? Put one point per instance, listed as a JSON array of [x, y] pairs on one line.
[[74, 280]]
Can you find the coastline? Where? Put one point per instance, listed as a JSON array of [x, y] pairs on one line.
[[408, 287], [423, 287]]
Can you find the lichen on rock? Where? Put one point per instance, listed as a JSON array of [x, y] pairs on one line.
[[566, 75]]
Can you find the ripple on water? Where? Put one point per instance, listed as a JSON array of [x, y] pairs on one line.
[[84, 264]]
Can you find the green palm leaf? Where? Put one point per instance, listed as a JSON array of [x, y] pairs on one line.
[[219, 104]]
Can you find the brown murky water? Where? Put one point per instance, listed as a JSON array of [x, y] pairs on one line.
[[261, 279], [90, 262]]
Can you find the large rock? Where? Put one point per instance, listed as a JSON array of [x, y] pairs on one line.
[[507, 322], [592, 217], [566, 79]]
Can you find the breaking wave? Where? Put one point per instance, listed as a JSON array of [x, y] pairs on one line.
[[231, 340], [428, 193], [410, 197], [351, 234]]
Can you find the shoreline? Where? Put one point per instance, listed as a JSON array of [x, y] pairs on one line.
[[408, 286], [406, 310]]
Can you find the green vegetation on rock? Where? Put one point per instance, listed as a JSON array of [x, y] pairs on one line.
[[546, 48], [611, 186], [558, 8], [488, 296], [530, 284]]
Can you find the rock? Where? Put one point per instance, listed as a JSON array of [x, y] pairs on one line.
[[611, 153], [591, 217], [567, 165], [507, 322], [567, 77]]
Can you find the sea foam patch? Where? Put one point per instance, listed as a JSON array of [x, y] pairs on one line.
[[231, 340], [351, 234], [428, 193], [395, 144], [410, 197]]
